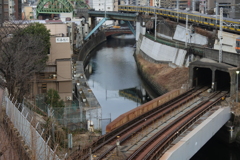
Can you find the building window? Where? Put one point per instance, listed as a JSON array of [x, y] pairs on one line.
[[44, 87]]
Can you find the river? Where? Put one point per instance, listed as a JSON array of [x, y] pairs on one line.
[[114, 78], [115, 75]]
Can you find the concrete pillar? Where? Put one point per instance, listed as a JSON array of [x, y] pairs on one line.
[[214, 83], [233, 81], [93, 23], [191, 71]]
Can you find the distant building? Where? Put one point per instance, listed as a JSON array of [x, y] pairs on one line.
[[28, 13], [183, 4], [230, 9], [136, 2], [58, 72], [100, 5], [7, 11]]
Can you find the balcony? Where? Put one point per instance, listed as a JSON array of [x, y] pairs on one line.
[[46, 77], [49, 69]]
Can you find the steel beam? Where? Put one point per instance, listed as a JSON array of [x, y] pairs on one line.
[[95, 28], [131, 28]]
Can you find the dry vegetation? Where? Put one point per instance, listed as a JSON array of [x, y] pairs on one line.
[[7, 150], [163, 75]]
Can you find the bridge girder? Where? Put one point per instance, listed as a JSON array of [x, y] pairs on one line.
[[114, 15], [59, 6]]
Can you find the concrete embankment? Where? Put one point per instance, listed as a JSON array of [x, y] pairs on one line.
[[82, 90], [89, 45], [162, 79]]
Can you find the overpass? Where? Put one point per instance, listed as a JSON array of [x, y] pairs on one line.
[[127, 17], [149, 131]]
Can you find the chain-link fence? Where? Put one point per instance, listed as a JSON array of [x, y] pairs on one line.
[[72, 116]]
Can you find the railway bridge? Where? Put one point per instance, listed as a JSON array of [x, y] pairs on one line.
[[111, 31], [155, 129], [176, 122], [173, 126]]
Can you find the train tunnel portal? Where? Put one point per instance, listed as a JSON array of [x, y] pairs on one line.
[[221, 77]]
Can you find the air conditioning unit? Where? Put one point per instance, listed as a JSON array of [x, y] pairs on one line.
[[69, 98]]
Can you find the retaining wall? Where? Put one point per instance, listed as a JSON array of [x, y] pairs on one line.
[[90, 44]]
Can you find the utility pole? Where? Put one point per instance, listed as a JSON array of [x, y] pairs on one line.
[[205, 7], [186, 31], [237, 88], [216, 14], [155, 32], [193, 5], [105, 9], [220, 35], [177, 11]]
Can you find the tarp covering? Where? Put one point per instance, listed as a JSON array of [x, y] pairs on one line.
[[181, 35], [160, 52]]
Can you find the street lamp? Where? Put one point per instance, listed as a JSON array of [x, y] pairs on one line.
[[237, 87]]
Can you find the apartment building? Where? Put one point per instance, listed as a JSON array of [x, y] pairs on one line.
[[6, 10], [231, 8], [28, 13], [102, 5], [58, 72]]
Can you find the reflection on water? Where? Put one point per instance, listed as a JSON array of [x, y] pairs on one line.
[[114, 74], [131, 94], [117, 86]]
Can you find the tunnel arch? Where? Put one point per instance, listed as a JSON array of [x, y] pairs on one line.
[[202, 76], [222, 80]]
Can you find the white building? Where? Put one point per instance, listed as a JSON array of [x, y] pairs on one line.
[[102, 5]]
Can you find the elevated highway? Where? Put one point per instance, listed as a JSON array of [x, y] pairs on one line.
[[157, 125]]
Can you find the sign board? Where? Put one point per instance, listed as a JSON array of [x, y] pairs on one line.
[[62, 39]]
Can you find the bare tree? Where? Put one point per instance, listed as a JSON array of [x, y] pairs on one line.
[[24, 49]]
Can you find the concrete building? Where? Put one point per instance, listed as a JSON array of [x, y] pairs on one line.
[[17, 9], [102, 5], [115, 5], [58, 72], [6, 10], [230, 7], [136, 2], [28, 13], [183, 4]]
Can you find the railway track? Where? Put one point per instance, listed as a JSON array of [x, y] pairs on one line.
[[154, 147], [106, 144]]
